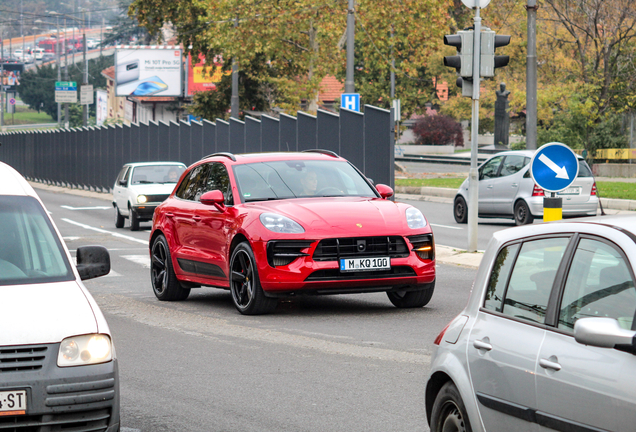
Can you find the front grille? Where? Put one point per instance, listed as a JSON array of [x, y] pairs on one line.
[[22, 358], [336, 274], [334, 249], [283, 252], [79, 421], [157, 198]]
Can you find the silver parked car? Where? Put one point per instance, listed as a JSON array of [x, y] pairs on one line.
[[506, 190], [548, 338]]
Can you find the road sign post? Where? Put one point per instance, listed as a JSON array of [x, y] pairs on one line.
[[553, 168]]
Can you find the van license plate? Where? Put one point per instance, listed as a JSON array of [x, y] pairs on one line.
[[13, 402], [365, 264]]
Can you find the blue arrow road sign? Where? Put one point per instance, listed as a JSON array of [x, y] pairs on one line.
[[554, 167], [350, 101]]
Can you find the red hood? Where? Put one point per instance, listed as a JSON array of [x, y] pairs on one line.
[[341, 216]]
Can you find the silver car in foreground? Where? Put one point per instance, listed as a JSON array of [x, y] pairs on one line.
[[506, 190], [548, 338]]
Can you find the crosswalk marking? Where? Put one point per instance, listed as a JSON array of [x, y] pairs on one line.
[[143, 260]]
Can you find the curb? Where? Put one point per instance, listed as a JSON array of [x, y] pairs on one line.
[[455, 256], [71, 191]]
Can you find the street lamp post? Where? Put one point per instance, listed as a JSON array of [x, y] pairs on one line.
[[57, 60]]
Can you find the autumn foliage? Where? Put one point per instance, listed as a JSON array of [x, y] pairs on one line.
[[438, 130]]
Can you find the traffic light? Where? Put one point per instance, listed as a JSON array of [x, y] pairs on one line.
[[466, 84], [463, 62], [488, 61]]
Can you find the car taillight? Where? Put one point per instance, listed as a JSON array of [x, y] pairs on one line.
[[440, 336], [537, 191], [593, 193]]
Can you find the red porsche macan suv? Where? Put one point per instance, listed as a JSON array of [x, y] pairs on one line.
[[273, 225]]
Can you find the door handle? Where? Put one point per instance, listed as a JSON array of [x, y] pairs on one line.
[[480, 344], [170, 215], [550, 363], [514, 185], [489, 186], [196, 218]]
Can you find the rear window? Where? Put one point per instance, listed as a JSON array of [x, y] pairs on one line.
[[30, 249], [584, 169]]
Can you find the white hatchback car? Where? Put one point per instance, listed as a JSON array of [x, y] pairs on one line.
[[548, 338], [506, 190], [58, 369], [140, 187]]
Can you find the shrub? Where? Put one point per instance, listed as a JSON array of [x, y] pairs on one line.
[[438, 130]]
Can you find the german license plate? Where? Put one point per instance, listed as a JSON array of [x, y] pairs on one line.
[[13, 402], [573, 190], [365, 264]]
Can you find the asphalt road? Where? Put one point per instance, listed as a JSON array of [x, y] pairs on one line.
[[348, 362]]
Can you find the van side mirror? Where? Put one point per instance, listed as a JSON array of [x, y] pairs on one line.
[[604, 333], [92, 261]]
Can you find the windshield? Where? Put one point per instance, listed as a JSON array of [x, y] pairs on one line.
[[157, 174], [30, 250], [299, 179]]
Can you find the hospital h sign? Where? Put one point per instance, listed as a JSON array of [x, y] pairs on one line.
[[350, 101]]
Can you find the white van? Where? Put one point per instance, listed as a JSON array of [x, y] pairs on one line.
[[58, 368]]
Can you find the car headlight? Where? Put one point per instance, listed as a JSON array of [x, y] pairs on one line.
[[141, 199], [280, 224], [414, 218], [85, 350]]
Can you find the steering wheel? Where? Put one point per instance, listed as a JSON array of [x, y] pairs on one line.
[[329, 190]]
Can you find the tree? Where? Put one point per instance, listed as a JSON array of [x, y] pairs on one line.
[[438, 130], [125, 28]]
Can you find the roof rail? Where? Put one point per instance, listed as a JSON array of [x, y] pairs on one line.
[[224, 154], [327, 152]]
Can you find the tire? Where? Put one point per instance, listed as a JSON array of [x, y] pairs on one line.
[[119, 219], [134, 220], [247, 294], [460, 210], [449, 412], [162, 278], [522, 214], [411, 299]]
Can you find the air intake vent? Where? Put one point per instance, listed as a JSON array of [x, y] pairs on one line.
[[22, 358], [423, 246], [284, 252], [334, 249]]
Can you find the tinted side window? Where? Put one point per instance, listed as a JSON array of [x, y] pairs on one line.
[[218, 179], [122, 174], [532, 278], [490, 169], [499, 278], [599, 284], [193, 184], [512, 164], [584, 169]]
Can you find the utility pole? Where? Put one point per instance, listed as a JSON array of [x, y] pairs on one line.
[[85, 107], [473, 178], [351, 35], [531, 77], [59, 71], [66, 119], [1, 79], [234, 103]]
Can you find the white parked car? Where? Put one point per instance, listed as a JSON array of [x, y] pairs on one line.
[[58, 368], [506, 190], [548, 338], [140, 187], [38, 53], [24, 57]]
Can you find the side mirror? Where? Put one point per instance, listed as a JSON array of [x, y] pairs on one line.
[[604, 333], [122, 182], [214, 198], [92, 262], [384, 190]]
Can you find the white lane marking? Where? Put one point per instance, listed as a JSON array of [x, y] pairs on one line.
[[70, 238], [103, 231], [113, 273], [445, 226], [85, 208], [143, 260], [125, 429]]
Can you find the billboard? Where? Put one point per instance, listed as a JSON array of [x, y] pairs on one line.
[[204, 76], [10, 76], [148, 71]]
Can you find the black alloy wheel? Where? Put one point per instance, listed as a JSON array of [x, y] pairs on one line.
[[460, 210], [411, 299], [449, 412], [247, 294], [522, 214], [164, 282]]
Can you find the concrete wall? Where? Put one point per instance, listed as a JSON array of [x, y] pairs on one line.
[[614, 170]]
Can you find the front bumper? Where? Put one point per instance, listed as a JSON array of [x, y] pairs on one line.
[[80, 398], [307, 276], [145, 211]]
